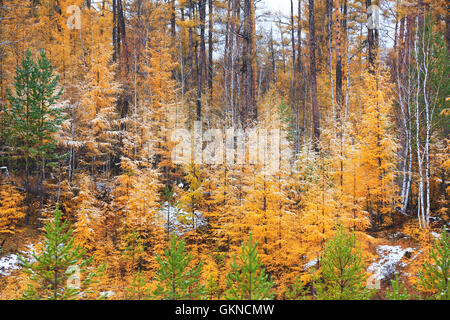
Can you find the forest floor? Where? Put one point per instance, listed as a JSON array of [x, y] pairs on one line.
[[385, 252]]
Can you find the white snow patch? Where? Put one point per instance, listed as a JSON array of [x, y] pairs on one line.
[[107, 294], [310, 263], [398, 235], [179, 220], [11, 262], [390, 259], [436, 235]]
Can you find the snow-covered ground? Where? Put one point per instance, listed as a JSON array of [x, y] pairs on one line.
[[180, 220], [107, 294], [390, 259], [310, 263], [436, 235], [11, 262]]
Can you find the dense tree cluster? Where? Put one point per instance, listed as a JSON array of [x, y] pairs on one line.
[[306, 138]]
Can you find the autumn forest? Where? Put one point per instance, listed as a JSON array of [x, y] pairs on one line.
[[224, 149]]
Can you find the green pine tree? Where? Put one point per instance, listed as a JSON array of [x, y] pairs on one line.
[[287, 119], [138, 289], [297, 291], [341, 275], [398, 291], [177, 281], [212, 288], [434, 276], [31, 119], [58, 272], [248, 280]]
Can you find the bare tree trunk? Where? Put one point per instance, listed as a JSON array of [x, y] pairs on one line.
[[339, 95], [115, 32], [347, 45], [202, 57], [372, 39], [122, 34], [173, 20], [210, 51], [399, 48], [329, 9], [420, 200], [301, 72], [190, 62], [313, 78], [226, 49], [202, 15], [246, 65], [27, 188], [235, 81], [274, 66], [293, 43], [294, 103], [299, 39], [428, 120], [254, 77]]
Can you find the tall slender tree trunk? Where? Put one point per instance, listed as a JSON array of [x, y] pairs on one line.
[[173, 21], [329, 9], [246, 66], [27, 188], [294, 103], [254, 100], [420, 192], [372, 39], [202, 15], [201, 68], [210, 51], [301, 73], [312, 74], [339, 96], [190, 60], [227, 61], [235, 79], [274, 66]]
